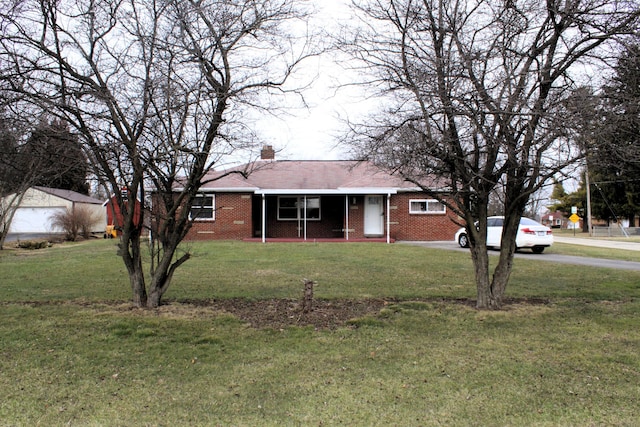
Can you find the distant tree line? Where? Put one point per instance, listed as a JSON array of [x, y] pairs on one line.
[[49, 156], [610, 134]]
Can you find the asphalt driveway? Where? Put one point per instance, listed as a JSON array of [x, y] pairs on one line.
[[563, 259]]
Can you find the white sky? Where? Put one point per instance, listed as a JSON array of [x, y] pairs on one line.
[[312, 133]]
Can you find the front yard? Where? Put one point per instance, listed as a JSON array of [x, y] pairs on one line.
[[230, 348]]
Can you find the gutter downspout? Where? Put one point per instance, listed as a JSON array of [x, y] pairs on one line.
[[388, 217]]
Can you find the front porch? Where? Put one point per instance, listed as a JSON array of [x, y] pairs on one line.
[[320, 217]]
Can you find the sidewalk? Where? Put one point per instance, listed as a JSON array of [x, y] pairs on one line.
[[611, 244]]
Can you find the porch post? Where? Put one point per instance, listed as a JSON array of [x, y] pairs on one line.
[[388, 217], [346, 216], [264, 219], [304, 222]]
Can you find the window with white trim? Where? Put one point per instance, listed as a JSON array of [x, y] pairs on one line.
[[203, 208], [292, 208], [426, 206]]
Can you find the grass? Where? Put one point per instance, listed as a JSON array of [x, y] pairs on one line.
[[584, 235], [593, 252], [74, 353]]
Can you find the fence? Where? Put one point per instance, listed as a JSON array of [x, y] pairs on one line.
[[615, 231]]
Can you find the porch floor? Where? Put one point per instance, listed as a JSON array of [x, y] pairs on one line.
[[319, 240]]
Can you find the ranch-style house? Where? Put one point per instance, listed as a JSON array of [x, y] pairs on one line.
[[317, 200]]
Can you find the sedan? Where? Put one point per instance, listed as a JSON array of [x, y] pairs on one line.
[[531, 234]]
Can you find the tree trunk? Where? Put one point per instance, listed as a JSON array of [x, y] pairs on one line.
[[7, 212], [129, 250], [501, 276], [162, 273], [138, 287], [480, 259], [502, 272], [154, 298]]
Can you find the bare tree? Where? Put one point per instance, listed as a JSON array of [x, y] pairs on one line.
[[13, 181], [475, 94], [157, 90], [77, 221], [23, 163]]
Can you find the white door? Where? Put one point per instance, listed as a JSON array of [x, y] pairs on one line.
[[373, 216], [34, 220]]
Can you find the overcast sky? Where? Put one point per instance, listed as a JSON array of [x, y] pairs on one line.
[[311, 133]]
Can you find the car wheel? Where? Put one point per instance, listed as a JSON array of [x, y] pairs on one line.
[[537, 249], [463, 241]]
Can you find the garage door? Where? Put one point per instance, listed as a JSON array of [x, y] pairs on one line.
[[34, 220]]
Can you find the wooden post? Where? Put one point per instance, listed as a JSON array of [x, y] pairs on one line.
[[307, 299]]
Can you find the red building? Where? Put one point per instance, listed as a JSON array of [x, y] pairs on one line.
[[114, 215]]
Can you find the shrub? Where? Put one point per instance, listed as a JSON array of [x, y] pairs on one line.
[[75, 222], [33, 244]]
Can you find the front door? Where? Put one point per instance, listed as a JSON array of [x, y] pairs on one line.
[[373, 216]]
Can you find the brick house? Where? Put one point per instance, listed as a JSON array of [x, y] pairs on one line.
[[316, 200]]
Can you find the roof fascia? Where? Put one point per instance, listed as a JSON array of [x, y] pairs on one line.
[[327, 191], [222, 190], [419, 190]]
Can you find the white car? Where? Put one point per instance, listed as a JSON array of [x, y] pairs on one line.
[[531, 234]]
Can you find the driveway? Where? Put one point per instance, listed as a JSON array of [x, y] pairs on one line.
[[563, 259], [12, 237]]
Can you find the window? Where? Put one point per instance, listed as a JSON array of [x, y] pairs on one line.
[[203, 207], [495, 222], [426, 206], [292, 208]]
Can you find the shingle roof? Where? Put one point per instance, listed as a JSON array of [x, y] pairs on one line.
[[72, 196], [308, 175]]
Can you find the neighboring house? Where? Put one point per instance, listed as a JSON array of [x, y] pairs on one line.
[[554, 220], [557, 219], [313, 200], [34, 213]]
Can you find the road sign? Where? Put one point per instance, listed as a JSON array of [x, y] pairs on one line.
[[574, 218]]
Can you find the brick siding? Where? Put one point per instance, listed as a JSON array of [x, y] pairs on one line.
[[419, 227], [232, 219], [235, 220]]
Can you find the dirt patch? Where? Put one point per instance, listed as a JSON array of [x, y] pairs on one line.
[[282, 313], [326, 314]]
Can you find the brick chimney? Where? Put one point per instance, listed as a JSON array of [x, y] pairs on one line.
[[267, 153]]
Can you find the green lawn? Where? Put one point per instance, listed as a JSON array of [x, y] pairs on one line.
[[74, 353]]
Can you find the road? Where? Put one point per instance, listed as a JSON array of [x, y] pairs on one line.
[[563, 259]]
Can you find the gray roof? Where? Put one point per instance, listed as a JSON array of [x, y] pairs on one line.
[[309, 176], [72, 196]]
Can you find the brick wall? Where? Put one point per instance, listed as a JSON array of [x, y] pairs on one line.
[[419, 227], [232, 219], [356, 217]]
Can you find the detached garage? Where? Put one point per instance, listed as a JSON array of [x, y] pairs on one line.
[[40, 204]]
